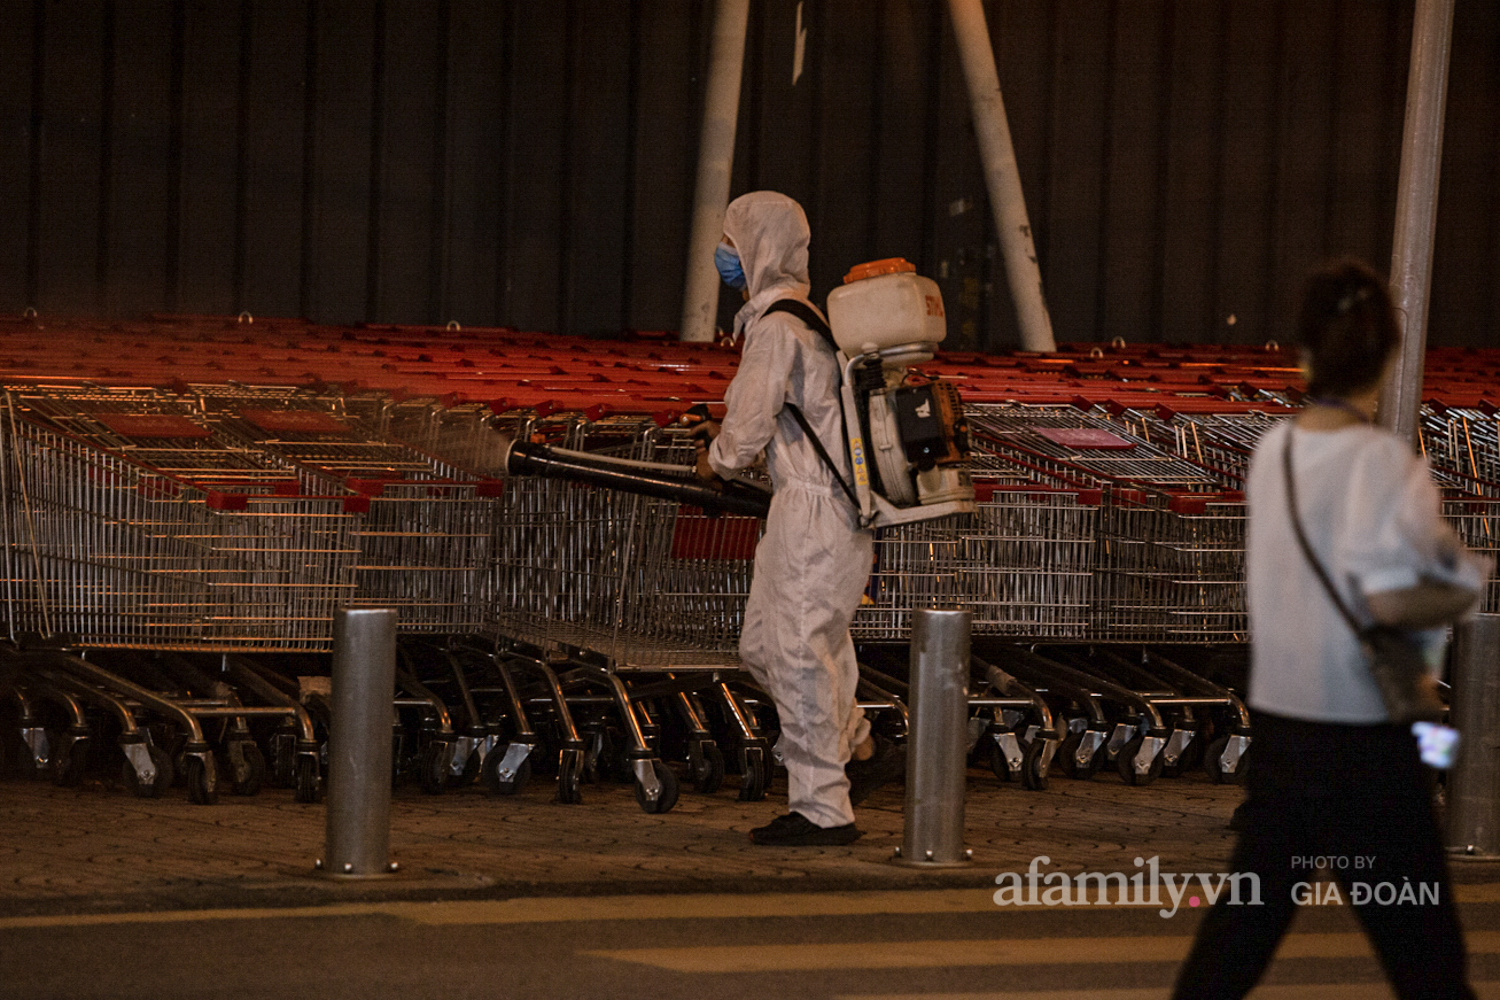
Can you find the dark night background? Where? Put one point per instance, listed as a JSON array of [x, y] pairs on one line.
[[531, 162]]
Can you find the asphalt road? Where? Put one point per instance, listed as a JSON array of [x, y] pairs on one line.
[[890, 945]]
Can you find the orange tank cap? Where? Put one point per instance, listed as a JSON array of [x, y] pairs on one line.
[[875, 268]]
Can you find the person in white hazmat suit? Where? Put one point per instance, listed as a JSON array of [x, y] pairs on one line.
[[814, 560]]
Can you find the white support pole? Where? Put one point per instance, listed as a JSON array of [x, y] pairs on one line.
[[721, 108], [1002, 176], [1416, 210]]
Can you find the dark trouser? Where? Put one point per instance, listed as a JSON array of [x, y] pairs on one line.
[[1318, 789]]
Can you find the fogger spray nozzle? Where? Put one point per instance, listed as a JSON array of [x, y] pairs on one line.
[[526, 458]]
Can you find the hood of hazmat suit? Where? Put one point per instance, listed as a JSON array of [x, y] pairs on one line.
[[782, 361], [771, 234]]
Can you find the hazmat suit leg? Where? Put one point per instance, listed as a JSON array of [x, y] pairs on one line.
[[811, 567]]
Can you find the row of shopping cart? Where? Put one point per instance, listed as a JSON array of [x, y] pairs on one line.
[[512, 368], [175, 553], [161, 543]]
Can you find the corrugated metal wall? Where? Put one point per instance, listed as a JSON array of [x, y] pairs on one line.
[[531, 163]]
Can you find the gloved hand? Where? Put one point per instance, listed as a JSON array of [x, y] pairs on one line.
[[705, 471], [703, 427]]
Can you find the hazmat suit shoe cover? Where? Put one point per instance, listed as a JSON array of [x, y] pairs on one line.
[[796, 830]]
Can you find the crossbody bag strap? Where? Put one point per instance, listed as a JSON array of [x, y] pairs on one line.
[[1312, 559]]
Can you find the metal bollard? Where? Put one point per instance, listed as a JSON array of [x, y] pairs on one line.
[[1473, 820], [936, 750], [359, 744]]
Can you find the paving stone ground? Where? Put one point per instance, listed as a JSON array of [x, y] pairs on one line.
[[98, 848]]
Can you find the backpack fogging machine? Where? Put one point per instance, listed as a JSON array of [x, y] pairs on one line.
[[908, 441]]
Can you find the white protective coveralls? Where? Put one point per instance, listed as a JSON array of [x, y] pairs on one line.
[[813, 562]]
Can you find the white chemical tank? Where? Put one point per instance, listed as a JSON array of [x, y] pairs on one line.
[[885, 305]]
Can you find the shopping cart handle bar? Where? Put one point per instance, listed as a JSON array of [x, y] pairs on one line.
[[279, 487], [984, 492], [228, 501], [221, 501]]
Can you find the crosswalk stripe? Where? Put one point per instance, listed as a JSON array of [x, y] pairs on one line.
[[564, 909], [1156, 994], [709, 906], [987, 951], [1478, 892], [1299, 991]]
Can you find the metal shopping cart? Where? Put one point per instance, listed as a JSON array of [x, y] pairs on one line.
[[113, 554], [1166, 567], [634, 605], [1023, 565]]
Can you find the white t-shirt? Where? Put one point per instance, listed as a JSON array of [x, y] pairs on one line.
[[1372, 515]]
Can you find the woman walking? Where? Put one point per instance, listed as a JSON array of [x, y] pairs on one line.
[[1332, 775]]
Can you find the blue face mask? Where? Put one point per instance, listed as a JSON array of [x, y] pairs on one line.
[[728, 263]]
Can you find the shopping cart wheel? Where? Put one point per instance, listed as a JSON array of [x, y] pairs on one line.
[[604, 756], [1213, 762], [754, 777], [36, 753], [436, 757], [471, 770], [305, 778], [165, 774], [1192, 754], [490, 772], [202, 782], [1000, 760], [1125, 763], [67, 766], [668, 796], [1067, 756], [283, 770], [248, 773], [543, 756], [707, 763], [569, 773], [1033, 776], [1180, 766]]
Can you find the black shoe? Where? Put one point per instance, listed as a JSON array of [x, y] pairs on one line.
[[1237, 819], [796, 830], [886, 764]]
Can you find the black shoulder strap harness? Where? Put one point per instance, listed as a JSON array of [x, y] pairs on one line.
[[808, 315]]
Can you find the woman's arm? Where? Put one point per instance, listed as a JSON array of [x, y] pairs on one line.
[[1444, 580], [1427, 605]]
